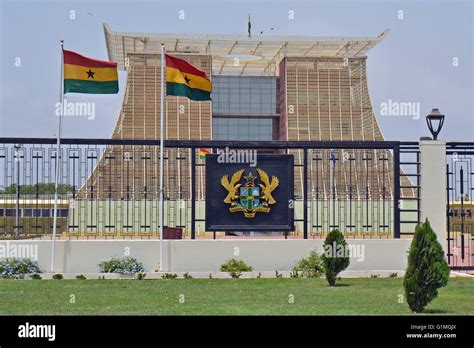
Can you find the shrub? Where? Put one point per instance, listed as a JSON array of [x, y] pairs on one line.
[[235, 267], [278, 275], [169, 276], [58, 276], [335, 258], [427, 268], [81, 277], [124, 265], [393, 275], [36, 276], [17, 268], [294, 273], [187, 276], [141, 276], [310, 267]]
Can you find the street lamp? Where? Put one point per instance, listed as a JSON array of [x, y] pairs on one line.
[[435, 122]]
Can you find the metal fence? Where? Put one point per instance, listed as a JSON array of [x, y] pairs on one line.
[[110, 188], [460, 205]]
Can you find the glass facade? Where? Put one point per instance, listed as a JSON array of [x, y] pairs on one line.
[[244, 107], [242, 128], [244, 95]]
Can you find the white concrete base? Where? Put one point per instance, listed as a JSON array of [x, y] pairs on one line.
[[83, 256]]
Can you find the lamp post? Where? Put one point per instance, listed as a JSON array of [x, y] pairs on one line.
[[435, 122]]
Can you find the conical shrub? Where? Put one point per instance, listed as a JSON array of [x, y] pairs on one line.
[[336, 255], [427, 268]]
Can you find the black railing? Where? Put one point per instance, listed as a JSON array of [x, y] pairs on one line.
[[110, 187], [460, 205]]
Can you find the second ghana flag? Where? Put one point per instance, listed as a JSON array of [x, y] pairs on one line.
[[186, 80]]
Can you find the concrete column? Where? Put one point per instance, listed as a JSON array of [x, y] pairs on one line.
[[433, 187]]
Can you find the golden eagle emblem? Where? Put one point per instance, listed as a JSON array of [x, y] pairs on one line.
[[250, 198]]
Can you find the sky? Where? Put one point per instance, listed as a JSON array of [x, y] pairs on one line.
[[426, 59]]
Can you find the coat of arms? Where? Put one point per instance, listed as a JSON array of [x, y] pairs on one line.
[[249, 198]]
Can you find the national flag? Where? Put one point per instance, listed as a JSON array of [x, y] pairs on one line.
[[250, 27], [89, 75], [203, 153], [186, 80]]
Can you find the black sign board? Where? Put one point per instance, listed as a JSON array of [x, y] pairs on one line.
[[250, 196]]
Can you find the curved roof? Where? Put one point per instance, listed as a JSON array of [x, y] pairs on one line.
[[234, 55]]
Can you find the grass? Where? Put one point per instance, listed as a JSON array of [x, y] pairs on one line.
[[223, 297]]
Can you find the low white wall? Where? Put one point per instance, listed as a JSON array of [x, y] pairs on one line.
[[76, 256]]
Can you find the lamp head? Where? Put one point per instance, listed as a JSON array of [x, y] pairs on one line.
[[435, 122]]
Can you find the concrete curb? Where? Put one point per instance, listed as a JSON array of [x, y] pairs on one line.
[[220, 275]]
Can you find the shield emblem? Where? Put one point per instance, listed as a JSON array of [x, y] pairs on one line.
[[250, 197]]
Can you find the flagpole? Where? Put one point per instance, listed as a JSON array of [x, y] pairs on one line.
[[58, 160], [162, 143]]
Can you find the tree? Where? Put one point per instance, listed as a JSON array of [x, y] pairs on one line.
[[335, 256], [427, 268]]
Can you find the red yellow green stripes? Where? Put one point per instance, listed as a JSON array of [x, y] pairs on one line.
[[89, 75], [184, 79], [203, 153]]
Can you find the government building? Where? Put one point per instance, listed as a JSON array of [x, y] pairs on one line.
[[296, 88]]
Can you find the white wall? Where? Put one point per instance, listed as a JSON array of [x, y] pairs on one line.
[[77, 256]]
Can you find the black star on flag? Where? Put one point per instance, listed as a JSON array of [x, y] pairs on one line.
[[187, 79], [90, 74]]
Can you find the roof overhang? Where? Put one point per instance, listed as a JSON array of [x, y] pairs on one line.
[[238, 55]]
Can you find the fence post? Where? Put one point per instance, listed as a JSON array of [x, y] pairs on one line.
[[305, 193], [193, 193], [396, 191], [433, 187]]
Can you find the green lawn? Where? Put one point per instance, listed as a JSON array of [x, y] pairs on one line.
[[223, 297]]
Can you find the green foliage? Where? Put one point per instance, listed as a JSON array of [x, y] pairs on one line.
[[210, 275], [235, 267], [187, 276], [38, 188], [169, 276], [427, 268], [58, 276], [335, 257], [278, 275], [294, 273], [141, 275], [124, 265], [17, 268], [393, 275], [309, 267], [36, 276], [81, 277]]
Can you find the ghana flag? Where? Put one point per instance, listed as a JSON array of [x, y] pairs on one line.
[[186, 80], [88, 75], [203, 153]]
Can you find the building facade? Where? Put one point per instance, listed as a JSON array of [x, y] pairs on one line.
[[264, 88]]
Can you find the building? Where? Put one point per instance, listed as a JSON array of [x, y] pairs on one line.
[[265, 88]]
